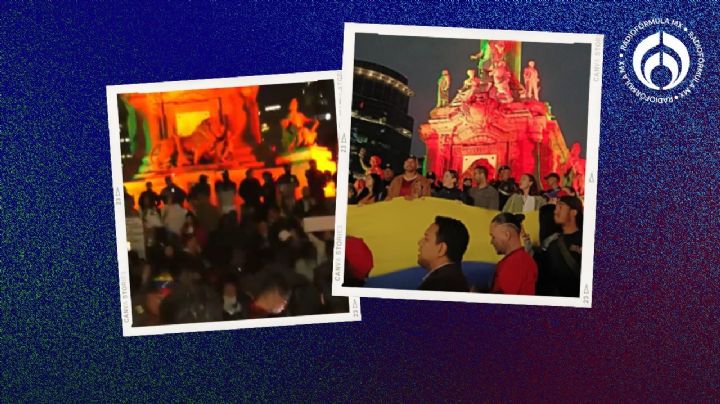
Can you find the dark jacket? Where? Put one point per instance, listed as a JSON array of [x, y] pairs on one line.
[[448, 279]]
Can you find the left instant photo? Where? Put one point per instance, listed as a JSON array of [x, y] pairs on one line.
[[224, 195]]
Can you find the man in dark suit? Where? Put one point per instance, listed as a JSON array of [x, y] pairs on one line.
[[440, 252]]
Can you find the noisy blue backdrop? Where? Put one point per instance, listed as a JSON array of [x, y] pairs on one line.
[[653, 327]]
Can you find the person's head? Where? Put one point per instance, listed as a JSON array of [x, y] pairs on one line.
[[504, 173], [410, 165], [531, 63], [505, 232], [471, 73], [272, 294], [190, 219], [388, 173], [450, 179], [445, 72], [169, 251], [569, 212], [293, 105], [313, 164], [552, 180], [528, 184], [267, 176], [226, 175], [229, 289], [203, 179], [480, 174], [249, 173], [375, 161], [445, 240], [148, 186], [287, 168]]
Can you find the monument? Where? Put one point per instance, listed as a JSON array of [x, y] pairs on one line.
[[494, 120]]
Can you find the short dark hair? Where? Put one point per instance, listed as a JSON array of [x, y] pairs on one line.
[[454, 234], [509, 218], [575, 204], [483, 169]]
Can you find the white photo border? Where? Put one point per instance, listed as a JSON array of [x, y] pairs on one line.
[[112, 92], [593, 144]]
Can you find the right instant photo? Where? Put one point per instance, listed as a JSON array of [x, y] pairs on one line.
[[468, 165]]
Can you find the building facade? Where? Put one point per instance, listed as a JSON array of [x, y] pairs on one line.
[[380, 122]]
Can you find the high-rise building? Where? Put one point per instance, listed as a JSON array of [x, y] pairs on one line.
[[380, 122]]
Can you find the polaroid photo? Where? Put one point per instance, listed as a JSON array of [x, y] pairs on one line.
[[468, 165], [225, 202]]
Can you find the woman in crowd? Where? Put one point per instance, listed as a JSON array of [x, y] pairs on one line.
[[528, 199], [374, 190]]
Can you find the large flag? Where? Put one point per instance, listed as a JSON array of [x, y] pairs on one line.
[[393, 228]]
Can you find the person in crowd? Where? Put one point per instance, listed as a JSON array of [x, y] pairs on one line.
[[352, 194], [432, 180], [225, 191], [269, 190], [172, 192], [149, 199], [232, 305], [505, 185], [553, 181], [516, 273], [193, 228], [528, 199], [287, 184], [358, 262], [374, 190], [483, 195], [130, 203], [173, 216], [560, 261], [192, 302], [304, 205], [201, 190], [316, 182], [440, 252], [467, 185], [251, 193], [388, 176], [270, 297], [449, 187], [410, 184]]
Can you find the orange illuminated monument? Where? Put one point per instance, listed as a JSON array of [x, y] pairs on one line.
[[188, 133], [494, 121]]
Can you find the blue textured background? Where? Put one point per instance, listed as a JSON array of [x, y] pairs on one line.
[[653, 328]]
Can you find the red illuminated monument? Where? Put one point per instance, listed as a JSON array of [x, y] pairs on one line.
[[495, 120], [188, 133]]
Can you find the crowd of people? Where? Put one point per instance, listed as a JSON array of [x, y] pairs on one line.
[[552, 268], [193, 260]]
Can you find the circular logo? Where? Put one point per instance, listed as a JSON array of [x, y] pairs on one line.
[[661, 60]]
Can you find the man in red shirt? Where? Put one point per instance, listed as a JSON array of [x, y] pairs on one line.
[[516, 273], [410, 184]]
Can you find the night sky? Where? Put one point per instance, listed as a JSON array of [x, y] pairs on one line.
[[564, 74]]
